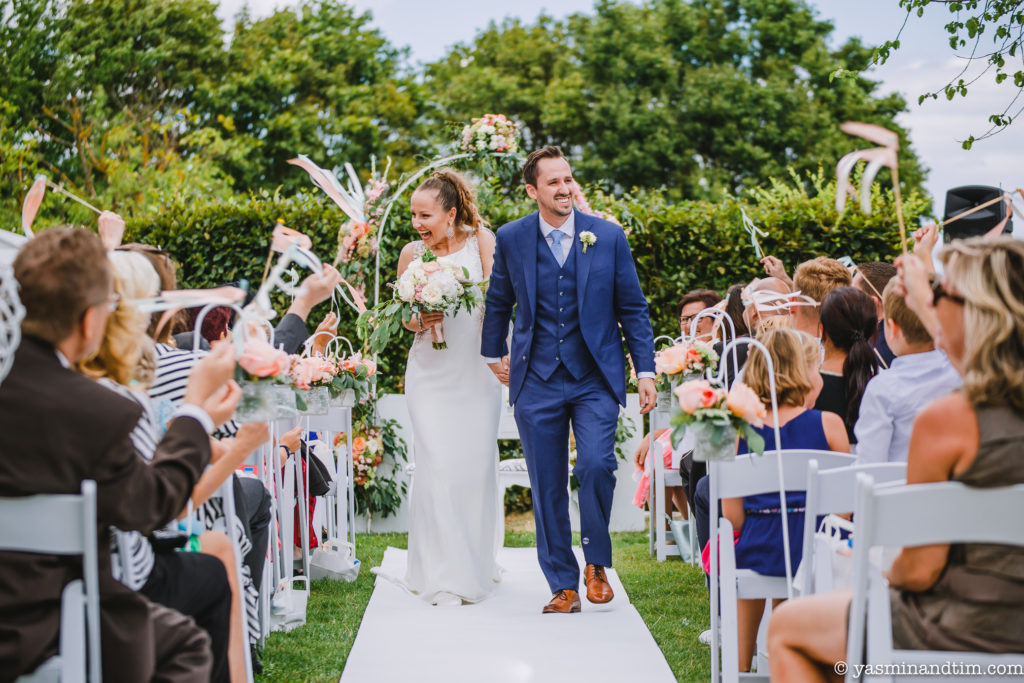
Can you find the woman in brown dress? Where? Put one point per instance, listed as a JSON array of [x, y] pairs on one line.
[[966, 597]]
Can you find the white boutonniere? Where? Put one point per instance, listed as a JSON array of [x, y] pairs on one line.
[[587, 239]]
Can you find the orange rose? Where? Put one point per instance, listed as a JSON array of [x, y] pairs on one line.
[[358, 446]]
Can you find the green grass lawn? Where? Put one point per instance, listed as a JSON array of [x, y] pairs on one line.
[[669, 595]]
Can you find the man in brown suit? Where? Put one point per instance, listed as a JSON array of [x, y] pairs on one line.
[[58, 428]]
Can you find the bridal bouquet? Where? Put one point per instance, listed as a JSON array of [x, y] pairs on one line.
[[427, 286], [716, 416]]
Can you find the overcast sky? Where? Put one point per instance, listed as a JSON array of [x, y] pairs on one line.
[[923, 62]]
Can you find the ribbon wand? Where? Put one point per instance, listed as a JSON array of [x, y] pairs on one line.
[[754, 231], [876, 158]]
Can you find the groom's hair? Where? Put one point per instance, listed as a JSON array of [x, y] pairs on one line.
[[530, 167]]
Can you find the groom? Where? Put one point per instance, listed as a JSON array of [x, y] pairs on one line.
[[572, 281]]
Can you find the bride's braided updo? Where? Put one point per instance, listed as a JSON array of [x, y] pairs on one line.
[[453, 191]]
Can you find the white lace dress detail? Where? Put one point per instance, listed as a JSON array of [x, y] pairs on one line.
[[454, 403]]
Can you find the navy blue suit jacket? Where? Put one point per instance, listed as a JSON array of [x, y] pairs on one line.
[[607, 288]]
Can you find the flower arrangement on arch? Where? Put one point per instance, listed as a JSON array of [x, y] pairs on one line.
[[720, 414], [490, 134], [427, 285]]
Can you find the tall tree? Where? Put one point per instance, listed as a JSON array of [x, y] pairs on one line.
[[702, 98], [314, 79]]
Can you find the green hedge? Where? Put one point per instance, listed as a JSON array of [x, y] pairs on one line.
[[677, 246]]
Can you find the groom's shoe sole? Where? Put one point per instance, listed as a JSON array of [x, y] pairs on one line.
[[563, 602], [599, 591]]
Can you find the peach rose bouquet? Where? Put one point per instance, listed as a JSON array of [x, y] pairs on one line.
[[261, 361], [685, 358], [717, 416]]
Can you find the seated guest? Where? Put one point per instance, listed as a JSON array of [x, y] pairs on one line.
[[693, 303], [919, 374], [815, 279], [201, 585], [58, 428], [871, 278], [964, 596], [847, 322], [795, 358]]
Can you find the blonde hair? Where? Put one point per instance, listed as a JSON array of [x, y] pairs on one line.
[[454, 192], [127, 355], [989, 275], [792, 353], [773, 322], [819, 276]]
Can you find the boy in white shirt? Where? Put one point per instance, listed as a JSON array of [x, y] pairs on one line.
[[919, 374]]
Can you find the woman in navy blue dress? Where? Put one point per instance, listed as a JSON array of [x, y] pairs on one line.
[[797, 358]]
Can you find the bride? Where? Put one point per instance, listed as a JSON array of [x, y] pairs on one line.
[[454, 401]]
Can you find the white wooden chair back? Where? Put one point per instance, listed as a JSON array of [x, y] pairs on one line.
[[832, 491], [914, 515], [749, 475], [63, 524]]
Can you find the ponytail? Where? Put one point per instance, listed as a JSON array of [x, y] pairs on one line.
[[453, 191], [848, 319]]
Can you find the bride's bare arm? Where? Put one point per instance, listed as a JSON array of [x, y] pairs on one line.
[[427, 319], [485, 238]]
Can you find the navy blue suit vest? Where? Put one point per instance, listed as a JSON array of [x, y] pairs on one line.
[[557, 339]]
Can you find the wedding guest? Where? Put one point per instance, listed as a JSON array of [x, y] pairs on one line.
[[762, 299], [964, 596], [58, 428], [690, 305], [734, 308], [200, 585], [919, 374], [795, 358], [816, 278], [871, 278], [847, 322]]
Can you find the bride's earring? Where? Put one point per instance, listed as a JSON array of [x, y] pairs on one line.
[[451, 230]]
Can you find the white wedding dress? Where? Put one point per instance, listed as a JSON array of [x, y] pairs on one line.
[[454, 401]]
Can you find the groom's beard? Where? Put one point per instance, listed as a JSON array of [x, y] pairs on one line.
[[558, 208]]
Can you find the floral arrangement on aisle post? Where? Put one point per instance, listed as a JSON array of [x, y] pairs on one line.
[[427, 285], [716, 417], [259, 369], [684, 359], [352, 381]]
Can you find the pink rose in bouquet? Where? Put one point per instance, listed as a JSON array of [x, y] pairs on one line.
[[670, 361], [697, 394], [746, 405], [261, 360], [306, 372]]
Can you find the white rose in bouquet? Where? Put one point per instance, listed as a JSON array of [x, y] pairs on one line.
[[406, 290], [451, 288], [432, 293]]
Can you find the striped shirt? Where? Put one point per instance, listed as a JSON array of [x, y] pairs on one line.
[[138, 553]]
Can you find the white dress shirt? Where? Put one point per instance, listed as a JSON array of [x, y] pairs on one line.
[[892, 400]]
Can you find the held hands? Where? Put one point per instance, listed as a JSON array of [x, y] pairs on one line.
[[774, 267], [291, 439], [315, 289], [924, 243], [500, 370], [325, 332], [111, 229], [648, 394]]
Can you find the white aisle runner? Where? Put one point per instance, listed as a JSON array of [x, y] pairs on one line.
[[504, 639]]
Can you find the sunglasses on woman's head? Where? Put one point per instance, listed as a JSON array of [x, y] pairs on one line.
[[939, 292]]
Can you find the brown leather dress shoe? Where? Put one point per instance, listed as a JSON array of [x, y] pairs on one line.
[[563, 602], [598, 589]]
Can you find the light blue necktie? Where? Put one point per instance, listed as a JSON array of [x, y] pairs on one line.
[[556, 246]]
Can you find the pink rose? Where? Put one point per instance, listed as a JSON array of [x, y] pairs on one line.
[[746, 405], [670, 361], [431, 267], [260, 359], [697, 394]]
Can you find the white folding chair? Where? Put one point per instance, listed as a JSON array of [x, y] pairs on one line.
[[914, 515], [226, 493], [660, 479], [62, 525], [749, 475], [831, 491]]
